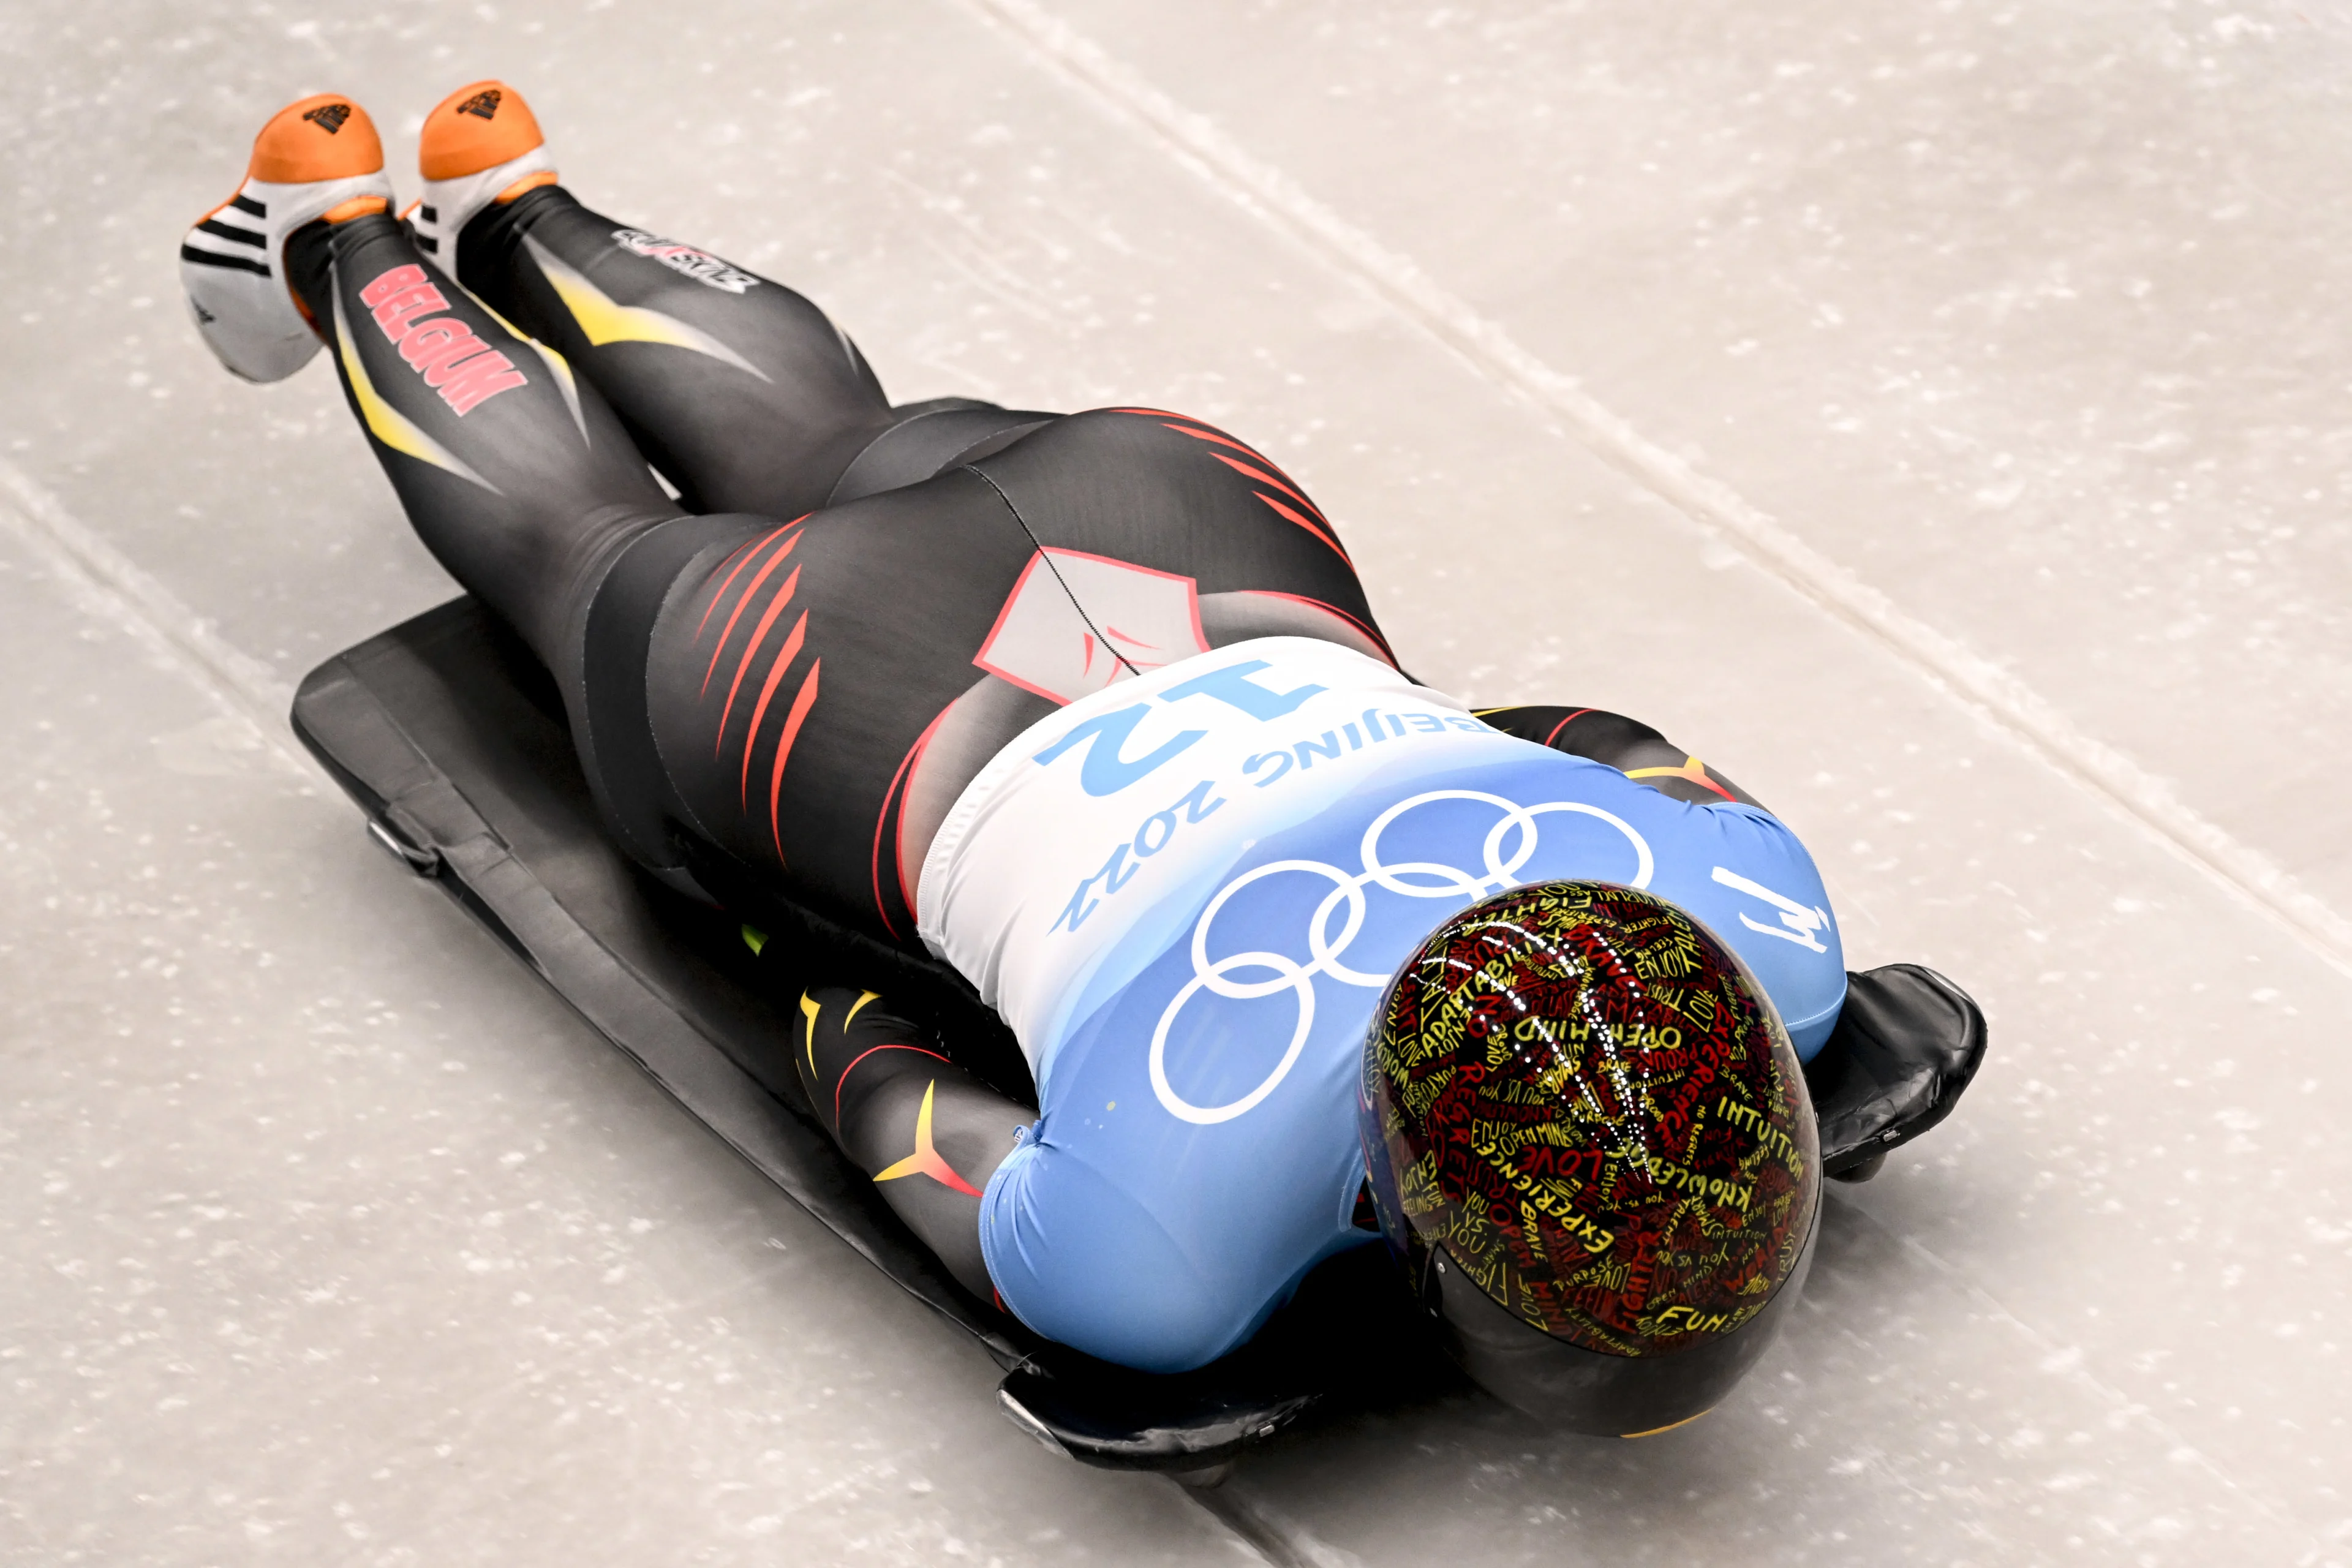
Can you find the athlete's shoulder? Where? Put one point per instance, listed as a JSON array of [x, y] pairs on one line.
[[1746, 829], [1526, 764], [1733, 822]]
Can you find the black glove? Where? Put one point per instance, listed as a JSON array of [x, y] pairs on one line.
[[1906, 1046]]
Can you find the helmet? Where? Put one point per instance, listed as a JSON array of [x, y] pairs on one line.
[[1591, 1144]]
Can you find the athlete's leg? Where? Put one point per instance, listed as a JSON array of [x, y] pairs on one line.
[[737, 389], [1630, 746], [516, 478], [521, 480]]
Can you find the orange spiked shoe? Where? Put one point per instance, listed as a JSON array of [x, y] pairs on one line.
[[480, 147]]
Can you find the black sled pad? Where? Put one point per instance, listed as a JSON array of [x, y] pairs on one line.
[[453, 743]]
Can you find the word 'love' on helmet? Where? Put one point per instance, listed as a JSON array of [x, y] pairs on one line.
[[1590, 1141]]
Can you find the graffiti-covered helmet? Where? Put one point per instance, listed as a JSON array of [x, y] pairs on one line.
[[1589, 1143]]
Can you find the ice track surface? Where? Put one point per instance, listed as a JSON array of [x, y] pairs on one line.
[[1947, 399]]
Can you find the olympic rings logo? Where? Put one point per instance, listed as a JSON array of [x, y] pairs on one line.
[[1509, 844]]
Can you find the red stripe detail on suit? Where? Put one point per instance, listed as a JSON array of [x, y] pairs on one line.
[[1304, 523], [741, 604], [802, 703], [882, 826], [1265, 479], [784, 656], [742, 557]]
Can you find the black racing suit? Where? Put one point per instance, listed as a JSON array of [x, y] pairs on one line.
[[781, 680]]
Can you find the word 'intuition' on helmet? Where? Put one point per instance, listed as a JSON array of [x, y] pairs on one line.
[[1590, 1141]]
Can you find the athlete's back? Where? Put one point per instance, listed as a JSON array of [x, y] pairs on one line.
[[1186, 893]]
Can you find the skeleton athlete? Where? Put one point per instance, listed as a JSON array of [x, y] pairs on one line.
[[1089, 706]]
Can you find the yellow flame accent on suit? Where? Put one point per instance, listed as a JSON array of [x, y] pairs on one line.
[[390, 425], [602, 320]]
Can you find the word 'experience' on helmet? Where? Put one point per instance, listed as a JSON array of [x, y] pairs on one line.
[[1590, 1142]]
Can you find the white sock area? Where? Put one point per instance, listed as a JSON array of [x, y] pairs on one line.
[[233, 268], [449, 204]]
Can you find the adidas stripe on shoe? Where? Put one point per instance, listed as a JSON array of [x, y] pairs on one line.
[[318, 158]]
